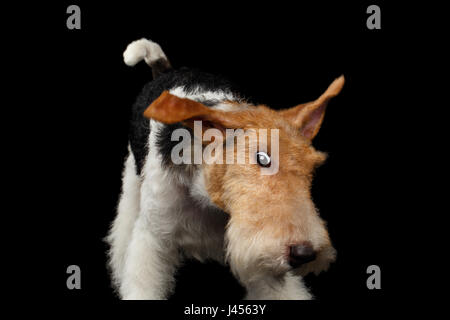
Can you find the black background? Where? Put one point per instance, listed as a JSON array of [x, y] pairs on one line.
[[279, 54]]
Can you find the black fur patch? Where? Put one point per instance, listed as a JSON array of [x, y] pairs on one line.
[[160, 66], [165, 144], [139, 128]]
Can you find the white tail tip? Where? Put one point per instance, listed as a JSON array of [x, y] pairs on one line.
[[142, 49]]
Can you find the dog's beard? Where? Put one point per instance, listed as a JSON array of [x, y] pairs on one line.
[[254, 255]]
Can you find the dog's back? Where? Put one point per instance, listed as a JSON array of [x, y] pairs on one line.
[[203, 87]]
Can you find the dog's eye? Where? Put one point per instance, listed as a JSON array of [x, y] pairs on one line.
[[263, 159]]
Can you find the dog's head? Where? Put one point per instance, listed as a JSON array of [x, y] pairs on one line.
[[261, 176]]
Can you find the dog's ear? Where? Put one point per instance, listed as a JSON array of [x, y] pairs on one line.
[[308, 116], [170, 109]]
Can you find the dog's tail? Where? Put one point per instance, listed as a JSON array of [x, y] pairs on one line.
[[149, 51]]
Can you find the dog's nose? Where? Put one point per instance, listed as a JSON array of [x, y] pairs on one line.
[[300, 254]]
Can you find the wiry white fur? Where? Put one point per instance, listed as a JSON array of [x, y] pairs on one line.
[[143, 49], [127, 213], [199, 94], [289, 287], [161, 214]]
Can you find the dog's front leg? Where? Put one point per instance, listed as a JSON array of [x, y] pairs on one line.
[[289, 287], [150, 264]]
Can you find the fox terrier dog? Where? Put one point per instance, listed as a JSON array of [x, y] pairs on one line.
[[263, 225]]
